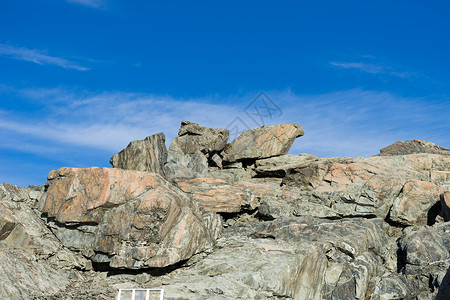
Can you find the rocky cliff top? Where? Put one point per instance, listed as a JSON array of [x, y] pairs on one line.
[[213, 219]]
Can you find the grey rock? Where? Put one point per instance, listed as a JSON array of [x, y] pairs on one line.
[[192, 138], [148, 155], [279, 166], [413, 147], [189, 152], [263, 142]]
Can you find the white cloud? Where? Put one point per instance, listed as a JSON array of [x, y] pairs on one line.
[[346, 123], [374, 69], [38, 57], [363, 67], [90, 3]]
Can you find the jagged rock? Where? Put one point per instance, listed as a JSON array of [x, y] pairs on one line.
[[263, 142], [193, 137], [416, 198], [216, 195], [22, 276], [294, 259], [181, 165], [32, 260], [423, 258], [148, 155], [245, 268], [189, 152], [131, 219], [363, 186], [393, 287], [412, 147]]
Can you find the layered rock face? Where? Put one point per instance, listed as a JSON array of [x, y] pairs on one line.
[[242, 220], [128, 219], [147, 155]]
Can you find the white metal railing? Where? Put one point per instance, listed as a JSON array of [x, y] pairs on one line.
[[147, 293]]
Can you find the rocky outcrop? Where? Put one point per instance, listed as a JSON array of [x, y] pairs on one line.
[[32, 260], [237, 221], [190, 152], [129, 219], [263, 142], [148, 155], [413, 147]]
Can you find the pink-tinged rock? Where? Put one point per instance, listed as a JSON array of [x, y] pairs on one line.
[[216, 195], [415, 200], [263, 142], [137, 219], [361, 186], [445, 206]]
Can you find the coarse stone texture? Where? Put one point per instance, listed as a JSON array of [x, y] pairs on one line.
[[32, 260], [414, 202], [147, 155], [263, 142], [130, 219], [368, 186], [216, 195], [190, 151]]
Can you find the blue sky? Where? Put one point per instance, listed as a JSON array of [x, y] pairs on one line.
[[81, 78]]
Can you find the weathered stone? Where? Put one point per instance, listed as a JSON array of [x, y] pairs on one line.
[[413, 147], [415, 200], [188, 153], [147, 155], [422, 246], [364, 186], [279, 166], [245, 268], [140, 220], [193, 137], [231, 176], [23, 276], [263, 142], [445, 206], [216, 195]]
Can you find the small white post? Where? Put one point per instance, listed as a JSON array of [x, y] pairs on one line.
[[133, 294]]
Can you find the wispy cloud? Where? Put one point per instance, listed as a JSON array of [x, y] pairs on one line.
[[38, 57], [363, 67], [351, 122], [90, 3], [372, 68]]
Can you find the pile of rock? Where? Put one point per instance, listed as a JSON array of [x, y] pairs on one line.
[[208, 219]]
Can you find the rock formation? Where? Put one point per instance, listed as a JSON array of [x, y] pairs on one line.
[[242, 220], [148, 155]]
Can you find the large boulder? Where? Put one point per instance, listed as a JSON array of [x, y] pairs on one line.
[[263, 142], [129, 219], [413, 147], [148, 155], [190, 152]]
